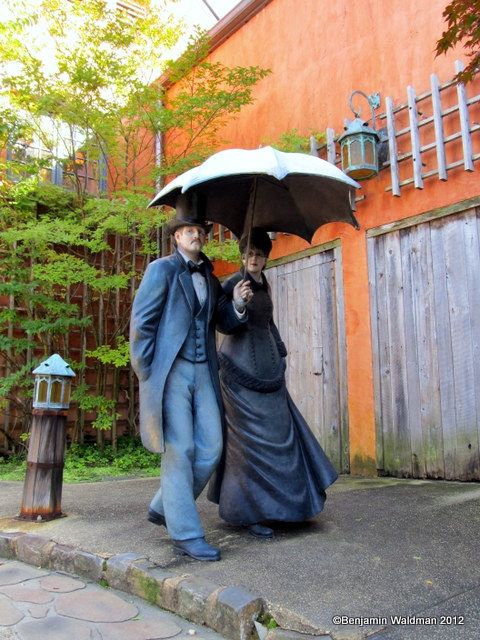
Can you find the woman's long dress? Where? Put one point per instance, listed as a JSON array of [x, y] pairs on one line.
[[273, 467]]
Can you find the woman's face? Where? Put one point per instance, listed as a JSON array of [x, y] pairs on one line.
[[256, 261]]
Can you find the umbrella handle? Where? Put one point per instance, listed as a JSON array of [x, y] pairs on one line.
[[249, 222]]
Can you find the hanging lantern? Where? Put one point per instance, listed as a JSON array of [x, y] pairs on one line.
[[360, 144], [52, 384]]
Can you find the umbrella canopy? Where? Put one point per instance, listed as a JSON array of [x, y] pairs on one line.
[[276, 191]]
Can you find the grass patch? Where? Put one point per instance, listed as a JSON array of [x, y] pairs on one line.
[[89, 463]]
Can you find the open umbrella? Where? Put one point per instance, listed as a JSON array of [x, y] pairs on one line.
[[276, 191]]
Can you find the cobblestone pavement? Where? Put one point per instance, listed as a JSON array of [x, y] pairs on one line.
[[36, 604]]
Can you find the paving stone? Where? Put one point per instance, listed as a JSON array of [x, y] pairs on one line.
[[286, 634], [193, 593], [61, 584], [38, 611], [34, 549], [232, 610], [16, 572], [143, 629], [146, 579], [9, 614], [8, 633], [7, 543], [293, 621], [88, 565], [25, 593], [62, 558], [117, 569], [169, 594], [54, 628], [95, 606]]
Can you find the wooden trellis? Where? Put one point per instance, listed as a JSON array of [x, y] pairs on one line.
[[428, 135]]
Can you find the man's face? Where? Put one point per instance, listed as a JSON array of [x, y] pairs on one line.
[[190, 239]]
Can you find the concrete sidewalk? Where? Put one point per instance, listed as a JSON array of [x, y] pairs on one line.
[[383, 549]]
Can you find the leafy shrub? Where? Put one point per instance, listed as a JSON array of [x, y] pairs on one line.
[[88, 462]]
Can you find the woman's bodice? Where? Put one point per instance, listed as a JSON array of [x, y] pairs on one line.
[[256, 348]]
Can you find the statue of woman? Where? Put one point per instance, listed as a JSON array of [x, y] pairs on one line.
[[273, 469]]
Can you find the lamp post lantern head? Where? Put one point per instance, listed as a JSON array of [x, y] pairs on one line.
[[52, 384]]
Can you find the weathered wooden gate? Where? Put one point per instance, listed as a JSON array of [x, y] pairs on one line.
[[308, 299], [425, 304]]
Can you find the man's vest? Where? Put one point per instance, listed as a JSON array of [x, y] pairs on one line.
[[194, 348]]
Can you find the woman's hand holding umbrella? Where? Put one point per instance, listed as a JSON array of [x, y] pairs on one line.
[[242, 294]]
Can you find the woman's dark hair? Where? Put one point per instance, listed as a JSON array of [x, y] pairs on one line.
[[258, 239]]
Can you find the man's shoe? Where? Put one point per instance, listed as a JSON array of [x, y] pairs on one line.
[[260, 531], [156, 518], [197, 548]]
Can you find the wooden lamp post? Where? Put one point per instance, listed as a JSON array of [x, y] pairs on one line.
[[42, 490]]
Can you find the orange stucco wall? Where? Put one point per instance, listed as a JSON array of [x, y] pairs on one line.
[[319, 51]]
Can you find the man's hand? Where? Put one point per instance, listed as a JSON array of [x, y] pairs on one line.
[[242, 294]]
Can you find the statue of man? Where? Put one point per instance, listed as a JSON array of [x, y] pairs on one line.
[[172, 340]]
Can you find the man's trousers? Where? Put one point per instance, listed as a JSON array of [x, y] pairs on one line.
[[193, 445]]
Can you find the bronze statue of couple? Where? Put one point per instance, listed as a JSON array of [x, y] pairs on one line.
[[226, 417]]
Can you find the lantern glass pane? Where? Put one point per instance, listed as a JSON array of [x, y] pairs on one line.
[[345, 162], [369, 151], [56, 393], [42, 391], [356, 151], [66, 393]]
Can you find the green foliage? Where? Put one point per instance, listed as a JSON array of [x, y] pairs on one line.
[[267, 620], [89, 462], [92, 71], [463, 27], [292, 141], [103, 408], [206, 96], [226, 250], [118, 356], [70, 259], [13, 468]]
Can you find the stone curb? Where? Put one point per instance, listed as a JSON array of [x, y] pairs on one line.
[[230, 611]]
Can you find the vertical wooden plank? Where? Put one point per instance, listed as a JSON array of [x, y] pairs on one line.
[[313, 348], [426, 370], [221, 232], [342, 360], [464, 121], [315, 372], [385, 365], [438, 123], [331, 151], [476, 316], [400, 433], [313, 146], [164, 241], [7, 371], [444, 353], [308, 324], [329, 378], [415, 138], [374, 277], [392, 147], [472, 269], [467, 466], [411, 248]]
